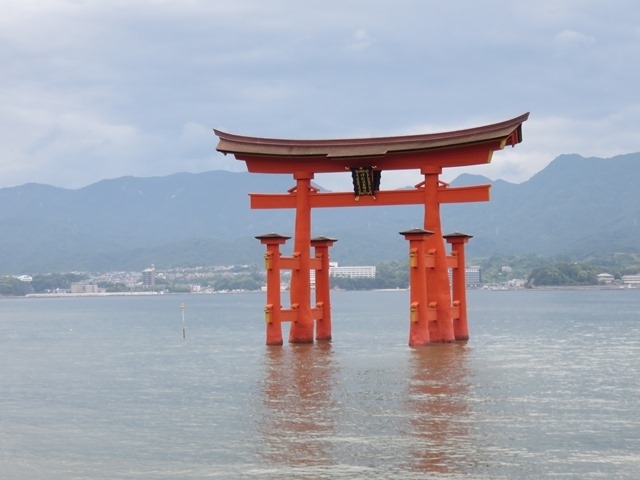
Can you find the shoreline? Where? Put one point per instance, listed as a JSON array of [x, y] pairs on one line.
[[140, 294], [95, 294]]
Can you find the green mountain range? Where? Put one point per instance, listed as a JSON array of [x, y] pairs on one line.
[[576, 206]]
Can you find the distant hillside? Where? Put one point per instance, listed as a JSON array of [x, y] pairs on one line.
[[576, 205]]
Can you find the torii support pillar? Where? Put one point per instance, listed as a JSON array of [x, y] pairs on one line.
[[459, 282], [323, 288], [418, 307], [273, 309]]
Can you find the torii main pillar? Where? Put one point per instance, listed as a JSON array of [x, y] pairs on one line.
[[302, 328], [366, 159]]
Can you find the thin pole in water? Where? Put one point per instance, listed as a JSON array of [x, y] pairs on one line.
[[184, 330]]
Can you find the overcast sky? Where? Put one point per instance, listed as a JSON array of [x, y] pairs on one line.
[[95, 89]]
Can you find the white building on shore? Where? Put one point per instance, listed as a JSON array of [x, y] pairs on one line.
[[364, 271], [631, 280], [77, 288]]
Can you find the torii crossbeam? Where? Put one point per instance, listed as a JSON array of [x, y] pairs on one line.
[[435, 316]]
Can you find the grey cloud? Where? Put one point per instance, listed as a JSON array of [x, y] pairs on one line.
[[99, 89]]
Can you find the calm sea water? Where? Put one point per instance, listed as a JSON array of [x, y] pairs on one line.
[[106, 388]]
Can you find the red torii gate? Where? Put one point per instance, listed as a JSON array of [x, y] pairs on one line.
[[434, 316]]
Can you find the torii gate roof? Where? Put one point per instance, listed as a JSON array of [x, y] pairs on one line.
[[446, 149]]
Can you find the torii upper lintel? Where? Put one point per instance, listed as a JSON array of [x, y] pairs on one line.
[[471, 146]]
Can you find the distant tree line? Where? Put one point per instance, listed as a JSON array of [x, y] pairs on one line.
[[535, 270], [557, 271], [41, 283], [563, 274], [12, 287]]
